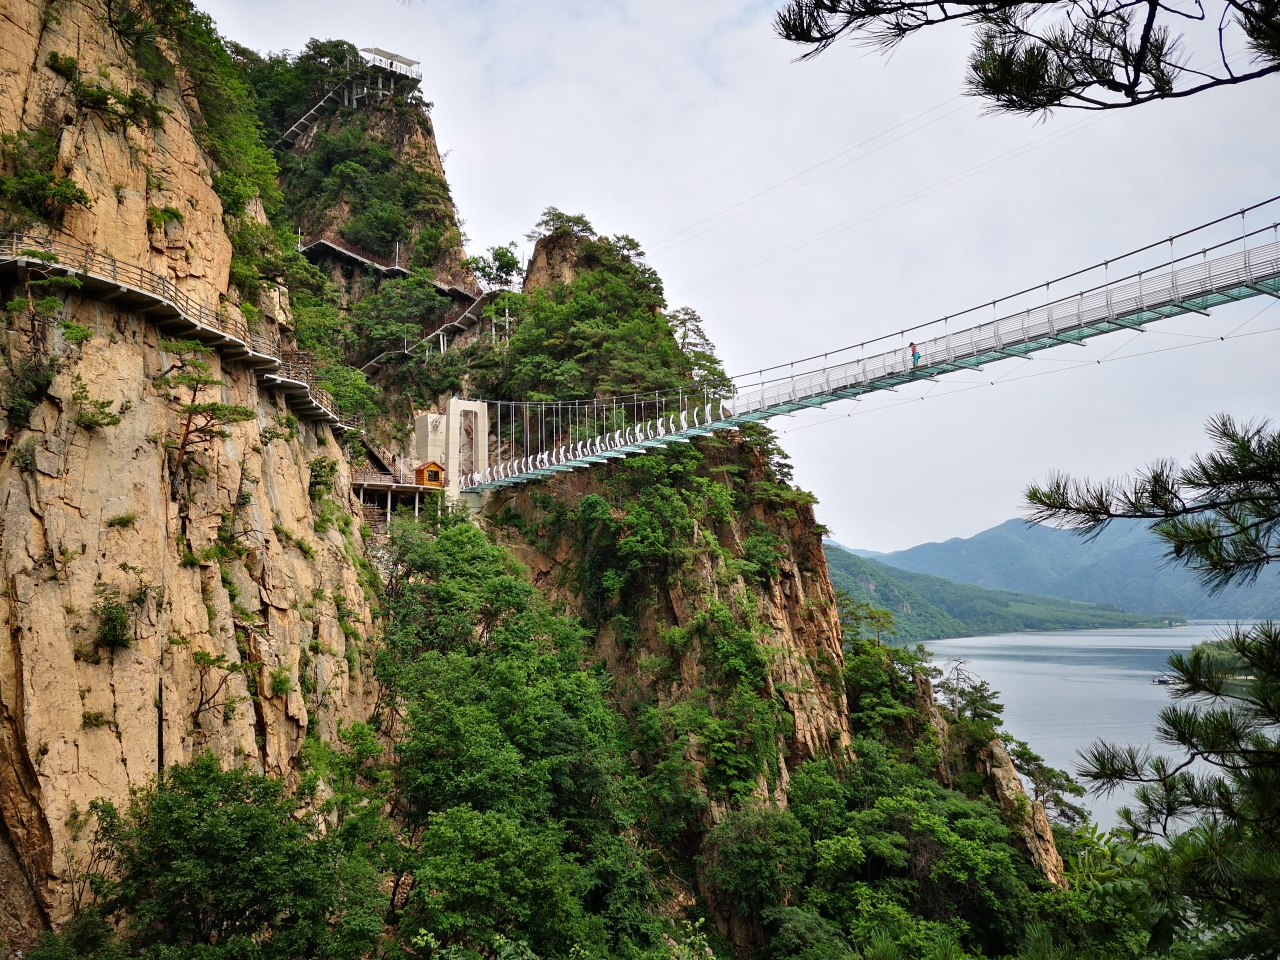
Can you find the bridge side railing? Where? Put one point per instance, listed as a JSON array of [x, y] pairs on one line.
[[1135, 301], [1192, 283], [86, 260]]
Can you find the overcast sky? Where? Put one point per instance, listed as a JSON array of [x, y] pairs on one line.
[[650, 116]]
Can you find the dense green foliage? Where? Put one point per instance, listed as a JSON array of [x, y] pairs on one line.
[[511, 764], [286, 87], [367, 162], [29, 189], [227, 125], [211, 863], [606, 333], [932, 608]]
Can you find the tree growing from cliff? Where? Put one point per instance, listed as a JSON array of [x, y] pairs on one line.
[[1030, 58], [200, 421], [44, 292], [29, 188]]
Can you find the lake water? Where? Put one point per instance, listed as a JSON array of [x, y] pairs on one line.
[[1063, 690]]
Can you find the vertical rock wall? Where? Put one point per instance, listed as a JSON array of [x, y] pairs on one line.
[[242, 585], [124, 169]]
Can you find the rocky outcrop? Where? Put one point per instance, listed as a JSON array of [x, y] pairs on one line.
[[554, 260], [799, 630], [1027, 816], [138, 628], [797, 607]]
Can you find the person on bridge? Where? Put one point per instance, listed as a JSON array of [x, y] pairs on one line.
[[915, 355]]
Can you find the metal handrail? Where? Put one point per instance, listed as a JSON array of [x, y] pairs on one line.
[[85, 260], [335, 240], [77, 259]]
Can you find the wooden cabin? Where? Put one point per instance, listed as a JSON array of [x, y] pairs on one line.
[[429, 475]]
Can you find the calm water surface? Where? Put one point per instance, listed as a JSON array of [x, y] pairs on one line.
[[1063, 690]]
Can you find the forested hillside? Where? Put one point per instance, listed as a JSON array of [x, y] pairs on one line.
[[619, 713], [1122, 567], [933, 608]]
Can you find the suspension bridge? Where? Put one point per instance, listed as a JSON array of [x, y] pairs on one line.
[[1152, 283]]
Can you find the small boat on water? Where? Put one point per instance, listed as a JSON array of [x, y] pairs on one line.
[[1165, 679]]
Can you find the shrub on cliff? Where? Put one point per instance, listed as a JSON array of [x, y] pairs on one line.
[[29, 188]]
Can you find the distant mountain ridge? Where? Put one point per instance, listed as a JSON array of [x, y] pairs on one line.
[[930, 608], [1122, 567]]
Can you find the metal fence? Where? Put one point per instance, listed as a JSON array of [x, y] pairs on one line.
[[72, 258]]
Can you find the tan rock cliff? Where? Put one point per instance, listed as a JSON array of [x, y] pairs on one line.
[[86, 517], [1026, 815]]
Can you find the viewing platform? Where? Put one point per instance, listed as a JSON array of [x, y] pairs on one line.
[[376, 76]]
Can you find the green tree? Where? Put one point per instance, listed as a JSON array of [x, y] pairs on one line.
[[219, 863], [29, 188], [400, 314], [1049, 785], [1208, 823], [499, 268], [1219, 516], [200, 421], [1032, 57], [1205, 826], [508, 764], [857, 616], [44, 292]]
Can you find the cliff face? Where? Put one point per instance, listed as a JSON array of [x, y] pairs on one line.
[[136, 627], [792, 616], [124, 168], [797, 608]]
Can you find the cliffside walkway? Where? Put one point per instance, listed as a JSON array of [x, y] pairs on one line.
[[543, 439], [158, 297]]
